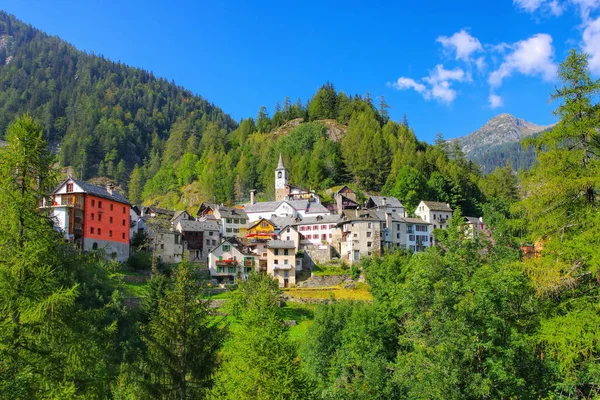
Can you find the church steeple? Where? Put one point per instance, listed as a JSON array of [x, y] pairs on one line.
[[281, 180], [280, 164]]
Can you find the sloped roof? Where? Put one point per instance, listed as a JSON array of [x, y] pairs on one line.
[[437, 206], [326, 219], [393, 216], [281, 244], [180, 214], [163, 211], [282, 222], [390, 201], [360, 215], [416, 221], [309, 207], [264, 206], [473, 220], [230, 212], [198, 226], [280, 163], [259, 221], [95, 190]]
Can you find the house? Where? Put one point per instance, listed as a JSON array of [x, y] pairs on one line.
[[230, 259], [199, 238], [288, 208], [167, 246], [344, 198], [436, 213], [317, 230], [475, 226], [418, 235], [290, 233], [180, 216], [394, 229], [92, 217], [389, 204], [285, 191], [257, 237], [154, 211], [360, 235], [136, 222], [233, 221], [281, 262]]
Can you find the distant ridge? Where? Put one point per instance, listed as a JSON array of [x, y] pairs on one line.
[[497, 143]]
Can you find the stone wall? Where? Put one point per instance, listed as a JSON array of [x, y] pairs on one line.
[[317, 254], [325, 281]]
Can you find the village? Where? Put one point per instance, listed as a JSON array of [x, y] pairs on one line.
[[283, 237]]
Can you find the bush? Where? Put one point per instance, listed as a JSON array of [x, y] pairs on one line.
[[355, 272], [140, 261]]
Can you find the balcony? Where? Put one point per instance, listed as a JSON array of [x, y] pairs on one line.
[[228, 262], [224, 273], [282, 266], [249, 263]]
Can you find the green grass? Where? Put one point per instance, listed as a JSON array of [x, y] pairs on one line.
[[219, 296], [329, 270], [134, 289]]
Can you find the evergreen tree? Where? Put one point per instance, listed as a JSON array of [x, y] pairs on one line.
[[260, 360], [181, 341]]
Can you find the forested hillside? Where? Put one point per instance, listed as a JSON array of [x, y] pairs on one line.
[[104, 116], [168, 146]]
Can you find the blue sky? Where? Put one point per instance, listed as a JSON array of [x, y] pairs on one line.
[[448, 65]]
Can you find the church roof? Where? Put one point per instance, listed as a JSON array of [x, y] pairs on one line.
[[280, 163]]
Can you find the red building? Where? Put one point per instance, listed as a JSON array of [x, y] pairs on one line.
[[93, 217]]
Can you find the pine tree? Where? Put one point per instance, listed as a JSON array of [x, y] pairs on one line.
[[260, 360], [135, 185], [181, 341]]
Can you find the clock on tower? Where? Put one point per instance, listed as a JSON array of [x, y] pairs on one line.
[[281, 180]]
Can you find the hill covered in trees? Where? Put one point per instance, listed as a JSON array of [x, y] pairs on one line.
[[171, 147]]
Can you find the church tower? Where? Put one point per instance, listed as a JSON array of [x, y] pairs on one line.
[[281, 181]]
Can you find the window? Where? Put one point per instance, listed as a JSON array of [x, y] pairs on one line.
[[99, 231], [356, 235], [370, 225], [285, 252], [288, 230], [276, 252], [99, 204], [276, 262], [95, 246], [397, 236], [207, 242], [220, 270], [279, 175], [411, 238], [69, 187], [228, 220], [398, 226], [236, 230], [214, 242], [434, 226], [356, 255], [332, 226], [285, 273], [123, 237], [210, 233], [123, 223], [330, 236], [242, 221], [369, 253], [123, 210], [231, 270], [93, 202], [226, 247], [285, 261], [111, 207], [228, 230], [264, 225], [110, 220], [92, 216], [323, 227], [109, 233], [369, 234], [99, 217], [236, 221], [369, 244], [287, 238], [92, 229]]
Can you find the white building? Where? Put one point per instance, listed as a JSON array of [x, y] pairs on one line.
[[287, 208], [436, 213], [317, 230], [418, 234], [387, 204]]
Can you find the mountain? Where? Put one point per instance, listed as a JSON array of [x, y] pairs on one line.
[[104, 116], [498, 142]]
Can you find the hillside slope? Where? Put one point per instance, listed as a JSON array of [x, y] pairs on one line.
[[497, 143], [104, 116]]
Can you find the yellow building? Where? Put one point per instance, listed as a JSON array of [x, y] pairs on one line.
[[263, 229]]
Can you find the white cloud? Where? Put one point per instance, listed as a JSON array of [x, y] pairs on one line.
[[407, 83], [586, 7], [591, 44], [480, 63], [462, 44], [443, 92], [440, 74], [495, 101], [554, 7], [528, 5], [533, 56]]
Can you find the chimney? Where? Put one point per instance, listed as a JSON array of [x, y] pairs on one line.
[[387, 220], [383, 201], [253, 196], [109, 188]]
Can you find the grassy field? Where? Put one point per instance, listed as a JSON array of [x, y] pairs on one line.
[[129, 289], [329, 270], [361, 292]]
